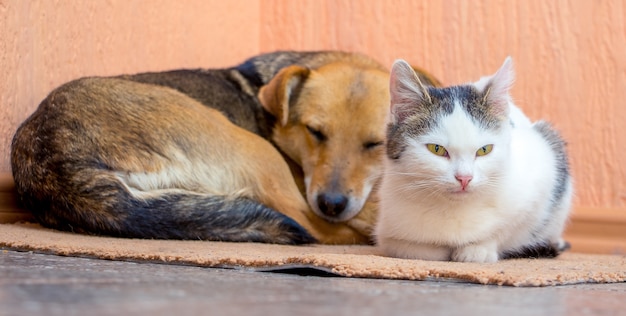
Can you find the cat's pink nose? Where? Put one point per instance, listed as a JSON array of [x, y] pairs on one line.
[[464, 180]]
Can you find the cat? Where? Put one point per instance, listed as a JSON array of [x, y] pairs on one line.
[[467, 176]]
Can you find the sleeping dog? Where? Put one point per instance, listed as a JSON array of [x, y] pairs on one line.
[[284, 148]]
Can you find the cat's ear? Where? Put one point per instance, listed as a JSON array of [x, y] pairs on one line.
[[406, 90], [496, 88]]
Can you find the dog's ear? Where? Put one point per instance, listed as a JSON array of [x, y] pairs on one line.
[[276, 95]]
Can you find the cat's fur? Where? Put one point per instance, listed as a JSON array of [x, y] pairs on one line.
[[512, 202]]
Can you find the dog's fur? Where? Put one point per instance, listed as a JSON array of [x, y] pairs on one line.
[[185, 154]]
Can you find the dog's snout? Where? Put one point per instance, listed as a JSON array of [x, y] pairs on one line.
[[332, 204]]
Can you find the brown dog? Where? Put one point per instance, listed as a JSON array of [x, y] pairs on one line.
[[334, 134], [185, 154]]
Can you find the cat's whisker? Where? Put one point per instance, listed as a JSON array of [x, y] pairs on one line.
[[400, 173], [421, 189]]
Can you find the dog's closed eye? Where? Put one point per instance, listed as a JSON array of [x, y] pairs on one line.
[[372, 145], [316, 133]]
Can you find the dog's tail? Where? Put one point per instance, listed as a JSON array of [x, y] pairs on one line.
[[107, 207]]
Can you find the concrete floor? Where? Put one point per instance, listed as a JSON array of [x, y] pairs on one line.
[[36, 284]]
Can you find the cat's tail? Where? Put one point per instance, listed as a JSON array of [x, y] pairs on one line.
[[103, 205], [540, 250]]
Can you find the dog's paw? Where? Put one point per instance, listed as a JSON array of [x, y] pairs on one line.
[[476, 253]]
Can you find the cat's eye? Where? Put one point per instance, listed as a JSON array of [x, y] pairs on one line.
[[316, 133], [484, 150], [437, 150]]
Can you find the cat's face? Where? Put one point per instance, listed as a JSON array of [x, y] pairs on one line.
[[450, 142], [456, 157]]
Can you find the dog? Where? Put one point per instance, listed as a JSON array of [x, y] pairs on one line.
[[211, 154]]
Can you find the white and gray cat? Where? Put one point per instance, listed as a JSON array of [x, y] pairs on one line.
[[467, 176]]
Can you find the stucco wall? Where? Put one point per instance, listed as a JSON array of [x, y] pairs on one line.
[[46, 43], [570, 55]]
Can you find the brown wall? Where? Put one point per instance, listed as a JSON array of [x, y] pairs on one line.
[[570, 55]]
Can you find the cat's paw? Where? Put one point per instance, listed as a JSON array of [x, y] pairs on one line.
[[562, 245], [475, 253], [410, 250]]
